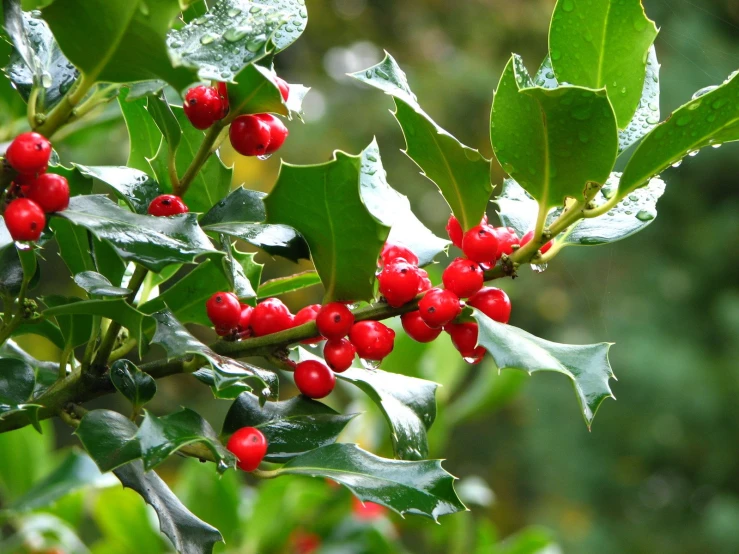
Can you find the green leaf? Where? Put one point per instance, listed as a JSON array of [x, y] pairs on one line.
[[50, 69], [587, 366], [15, 27], [256, 91], [628, 217], [460, 172], [118, 42], [291, 427], [241, 214], [77, 471], [709, 119], [211, 183], [99, 285], [45, 329], [545, 77], [5, 238], [11, 271], [188, 533], [177, 341], [74, 245], [131, 185], [324, 204], [138, 387], [421, 488], [160, 437], [107, 261], [242, 272], [236, 33], [144, 136], [108, 438], [516, 207], [552, 141], [283, 285], [154, 242], [603, 44], [394, 210], [647, 113], [165, 120], [17, 382], [75, 327]]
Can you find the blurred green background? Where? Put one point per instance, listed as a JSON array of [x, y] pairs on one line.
[[659, 472]]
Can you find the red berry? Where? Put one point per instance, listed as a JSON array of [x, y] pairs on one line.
[[270, 316], [314, 379], [222, 89], [334, 320], [416, 327], [493, 302], [480, 244], [302, 542], [455, 231], [424, 283], [463, 277], [224, 310], [249, 135], [167, 204], [391, 252], [507, 238], [305, 315], [203, 106], [372, 339], [29, 153], [399, 283], [367, 511], [464, 337], [50, 191], [438, 307], [24, 219], [249, 445], [225, 332], [339, 354], [530, 235], [244, 326], [283, 86], [277, 132]]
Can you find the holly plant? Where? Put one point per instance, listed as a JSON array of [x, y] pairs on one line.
[[155, 247]]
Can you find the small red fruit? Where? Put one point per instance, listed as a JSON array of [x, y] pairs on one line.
[[305, 315], [249, 135], [507, 238], [455, 232], [530, 235], [399, 283], [334, 320], [50, 191], [24, 219], [372, 339], [166, 205], [314, 379], [480, 244], [270, 316], [224, 310], [203, 106], [303, 542], [391, 252], [277, 132], [244, 326], [493, 302], [367, 511], [463, 277], [424, 283], [438, 307], [339, 354], [249, 445], [284, 87], [29, 153], [416, 327], [464, 337]]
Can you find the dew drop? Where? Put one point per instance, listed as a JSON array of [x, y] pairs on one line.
[[538, 268], [233, 12], [704, 90], [235, 33], [677, 164], [644, 215], [370, 364], [264, 157], [717, 146], [207, 39], [256, 43], [371, 158], [255, 9], [693, 154]]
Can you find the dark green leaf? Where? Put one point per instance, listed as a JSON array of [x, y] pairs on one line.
[[421, 488], [230, 392], [74, 245], [15, 28], [256, 91], [460, 172], [95, 284], [17, 381], [76, 472], [109, 438], [647, 113], [144, 136], [138, 387], [154, 242], [160, 437], [50, 69], [394, 210], [142, 89], [709, 119], [595, 55], [131, 185], [283, 285], [587, 365], [240, 206], [11, 271], [75, 327], [164, 118], [189, 534], [242, 272], [177, 341], [324, 204], [107, 261], [235, 34], [292, 426], [546, 139], [44, 328]]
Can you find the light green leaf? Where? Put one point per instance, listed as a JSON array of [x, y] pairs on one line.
[[647, 113], [95, 284], [242, 272], [75, 328], [603, 44], [74, 245], [144, 136], [283, 285], [460, 172], [165, 120]]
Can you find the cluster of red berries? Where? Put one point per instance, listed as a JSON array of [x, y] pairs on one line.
[[35, 193], [251, 135]]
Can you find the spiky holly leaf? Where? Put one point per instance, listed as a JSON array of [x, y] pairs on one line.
[[138, 387], [95, 284], [17, 383], [131, 185]]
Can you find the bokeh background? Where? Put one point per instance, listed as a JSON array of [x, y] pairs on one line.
[[659, 472]]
